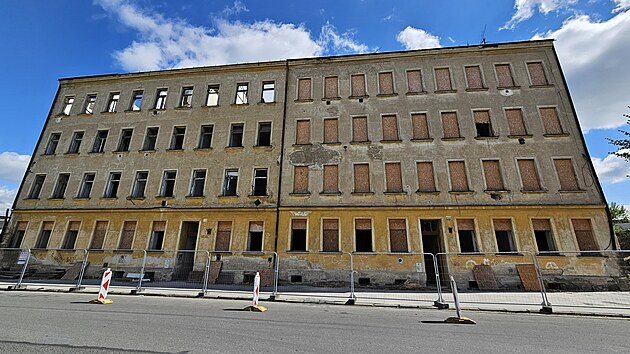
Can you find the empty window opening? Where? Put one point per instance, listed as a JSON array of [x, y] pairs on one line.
[[86, 185], [483, 123], [543, 235], [160, 101], [53, 142], [44, 235], [187, 96], [255, 239], [198, 183], [157, 235], [364, 281], [113, 102], [62, 184], [504, 235], [67, 105], [213, 95], [168, 184], [298, 235], [236, 135], [205, 137], [260, 182], [36, 188], [71, 235], [230, 182], [112, 185], [75, 144], [18, 236], [330, 235], [224, 233], [125, 140], [140, 184], [363, 235], [296, 279], [466, 235], [268, 92], [264, 134], [90, 102], [177, 140], [241, 94], [99, 141], [136, 100]]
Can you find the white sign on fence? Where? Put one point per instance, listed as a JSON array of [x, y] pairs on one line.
[[23, 257], [419, 267]]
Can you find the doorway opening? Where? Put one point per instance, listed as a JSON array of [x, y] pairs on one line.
[[185, 258], [432, 242]]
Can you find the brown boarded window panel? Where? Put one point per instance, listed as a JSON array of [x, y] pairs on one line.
[[300, 179], [48, 225], [393, 177], [255, 226], [331, 131], [481, 117], [363, 224], [466, 224], [426, 178], [330, 87], [566, 175], [537, 74], [358, 85], [330, 235], [443, 79], [159, 226], [420, 126], [21, 226], [386, 83], [359, 129], [504, 75], [502, 224], [473, 77], [362, 178], [515, 121], [304, 89], [529, 175], [303, 132], [331, 178], [450, 125], [298, 224], [390, 128], [541, 224], [398, 235], [224, 233], [126, 239], [492, 172], [584, 234], [414, 81], [99, 235], [74, 225], [551, 122], [457, 172]]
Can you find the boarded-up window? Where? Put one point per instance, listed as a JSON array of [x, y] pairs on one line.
[[304, 89], [126, 238], [414, 81], [537, 74], [566, 175], [584, 234], [386, 83], [502, 224], [515, 121], [331, 178], [303, 132], [551, 121], [362, 178], [398, 235], [473, 77], [330, 87], [255, 239], [359, 129], [483, 124], [99, 235], [504, 75], [466, 235], [443, 79], [529, 175], [457, 172], [330, 235], [420, 126], [543, 235], [450, 125], [298, 235], [426, 179], [224, 232], [492, 173], [393, 177], [363, 235], [390, 128], [504, 235], [300, 179], [331, 132], [541, 224], [358, 85]]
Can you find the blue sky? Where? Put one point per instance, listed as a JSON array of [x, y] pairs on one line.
[[47, 40]]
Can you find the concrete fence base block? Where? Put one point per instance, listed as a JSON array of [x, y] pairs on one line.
[[440, 305]]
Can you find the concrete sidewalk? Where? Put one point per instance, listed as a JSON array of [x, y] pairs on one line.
[[616, 304]]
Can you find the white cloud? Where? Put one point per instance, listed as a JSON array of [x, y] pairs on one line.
[[12, 166], [525, 9], [621, 5], [237, 8], [594, 56], [612, 169], [169, 43], [415, 38], [6, 198]]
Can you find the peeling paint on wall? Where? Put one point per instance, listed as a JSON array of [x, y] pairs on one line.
[[315, 154]]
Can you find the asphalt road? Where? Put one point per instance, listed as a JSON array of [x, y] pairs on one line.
[[66, 323]]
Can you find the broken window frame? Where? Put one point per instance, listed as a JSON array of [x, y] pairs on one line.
[[205, 136], [53, 143], [160, 99], [212, 100], [150, 138], [264, 134], [467, 234], [178, 138], [138, 189], [230, 183], [167, 187], [43, 237], [60, 186], [198, 183], [259, 183], [112, 103], [90, 103], [136, 101], [113, 185], [70, 238], [236, 135], [124, 142], [156, 241], [483, 129], [268, 92], [36, 186], [87, 183], [241, 94], [75, 143], [99, 141], [186, 98], [68, 102]]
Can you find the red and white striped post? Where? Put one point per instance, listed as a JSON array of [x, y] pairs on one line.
[[102, 293], [256, 289]]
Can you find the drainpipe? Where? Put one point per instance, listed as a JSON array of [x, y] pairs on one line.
[[284, 122]]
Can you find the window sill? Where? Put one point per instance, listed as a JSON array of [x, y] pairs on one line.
[[124, 250], [47, 155], [367, 142], [184, 108], [362, 193], [300, 194], [71, 154], [336, 143], [56, 199], [439, 92], [147, 150], [541, 86], [329, 194], [198, 149], [136, 198], [227, 197], [526, 136], [85, 114], [195, 197], [169, 197], [494, 137], [239, 104], [174, 150], [496, 191], [108, 198], [387, 95], [391, 141], [234, 148], [298, 145], [304, 100], [206, 106], [263, 147], [132, 111], [125, 152], [254, 196], [416, 93], [331, 98], [155, 110], [358, 97], [108, 112], [479, 89], [266, 103], [534, 191], [508, 87], [419, 192], [81, 199], [459, 138], [29, 198], [61, 115], [555, 135], [423, 140], [395, 193], [154, 251], [571, 191], [96, 152], [297, 251], [468, 192]]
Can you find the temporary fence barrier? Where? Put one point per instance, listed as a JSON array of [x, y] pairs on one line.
[[236, 271], [600, 279]]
